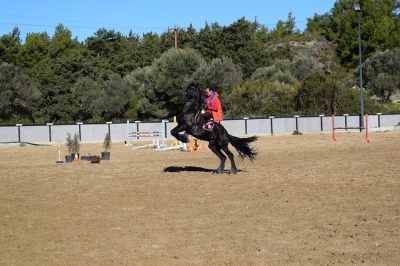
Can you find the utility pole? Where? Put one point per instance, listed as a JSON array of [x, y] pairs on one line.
[[175, 30], [176, 38]]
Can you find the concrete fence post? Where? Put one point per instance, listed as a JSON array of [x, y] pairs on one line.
[[245, 124], [321, 122], [379, 119], [80, 132], [137, 128], [109, 128], [297, 122], [164, 124], [49, 125], [19, 131], [272, 125], [345, 120]]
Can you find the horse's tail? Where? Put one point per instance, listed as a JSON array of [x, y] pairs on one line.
[[242, 146]]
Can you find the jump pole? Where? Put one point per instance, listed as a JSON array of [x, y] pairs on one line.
[[162, 145], [366, 129], [174, 145], [59, 154], [153, 134], [366, 138], [136, 134]]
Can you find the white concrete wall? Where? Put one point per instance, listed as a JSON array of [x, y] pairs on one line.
[[237, 127]]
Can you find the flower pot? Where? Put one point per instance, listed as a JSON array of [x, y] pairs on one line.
[[105, 155], [69, 158]]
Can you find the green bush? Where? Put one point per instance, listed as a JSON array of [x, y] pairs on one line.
[[69, 143], [76, 143], [296, 133], [107, 142], [392, 107], [260, 98], [348, 101]]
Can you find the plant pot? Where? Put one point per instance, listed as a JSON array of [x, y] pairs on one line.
[[69, 158], [105, 155]]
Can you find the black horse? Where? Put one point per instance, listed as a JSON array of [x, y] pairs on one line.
[[190, 122]]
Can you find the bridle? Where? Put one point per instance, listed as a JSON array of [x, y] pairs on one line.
[[195, 99]]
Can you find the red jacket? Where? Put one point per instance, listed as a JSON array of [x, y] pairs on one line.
[[213, 105]]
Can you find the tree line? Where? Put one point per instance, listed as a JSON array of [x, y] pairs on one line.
[[258, 71]]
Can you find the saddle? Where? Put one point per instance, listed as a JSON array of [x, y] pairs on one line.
[[209, 125], [197, 118]]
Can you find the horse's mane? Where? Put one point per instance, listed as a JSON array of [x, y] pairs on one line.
[[193, 92]]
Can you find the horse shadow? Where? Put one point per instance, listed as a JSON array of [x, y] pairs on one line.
[[178, 169]]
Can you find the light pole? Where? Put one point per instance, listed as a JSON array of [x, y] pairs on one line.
[[357, 8]]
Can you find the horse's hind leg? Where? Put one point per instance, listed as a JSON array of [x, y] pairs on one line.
[[217, 150], [233, 170]]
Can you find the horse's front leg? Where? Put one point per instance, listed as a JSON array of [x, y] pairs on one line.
[[179, 133]]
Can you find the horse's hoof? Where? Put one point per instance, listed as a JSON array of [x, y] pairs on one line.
[[233, 171], [218, 171]]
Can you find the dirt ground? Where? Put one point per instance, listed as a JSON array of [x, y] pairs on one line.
[[304, 201]]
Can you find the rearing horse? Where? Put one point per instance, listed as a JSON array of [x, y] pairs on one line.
[[218, 138]]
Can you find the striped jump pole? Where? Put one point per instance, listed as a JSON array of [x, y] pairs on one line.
[[366, 138], [366, 129], [333, 128], [147, 134], [163, 135]]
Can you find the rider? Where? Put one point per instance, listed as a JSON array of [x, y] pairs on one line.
[[213, 110]]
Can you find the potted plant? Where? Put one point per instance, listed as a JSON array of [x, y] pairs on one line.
[[76, 146], [69, 143], [105, 155]]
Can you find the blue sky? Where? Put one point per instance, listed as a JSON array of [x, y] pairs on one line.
[[84, 17]]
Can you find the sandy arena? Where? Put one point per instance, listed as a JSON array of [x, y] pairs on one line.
[[304, 201]]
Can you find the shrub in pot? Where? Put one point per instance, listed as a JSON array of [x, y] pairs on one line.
[[70, 147], [105, 155], [76, 145]]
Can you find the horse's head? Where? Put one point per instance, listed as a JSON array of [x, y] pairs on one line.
[[192, 93]]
